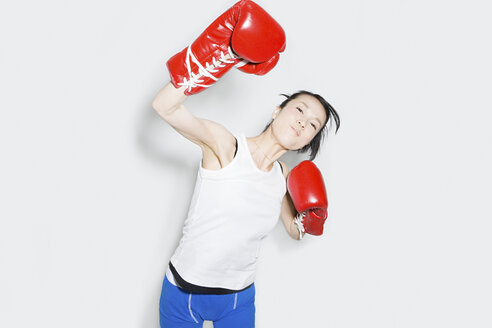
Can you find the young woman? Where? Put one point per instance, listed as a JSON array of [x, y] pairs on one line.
[[241, 186]]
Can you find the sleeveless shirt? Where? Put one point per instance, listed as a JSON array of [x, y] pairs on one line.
[[232, 210]]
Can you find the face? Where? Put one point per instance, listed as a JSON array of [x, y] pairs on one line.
[[298, 122]]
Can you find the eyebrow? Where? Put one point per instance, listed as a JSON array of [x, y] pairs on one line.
[[317, 119]]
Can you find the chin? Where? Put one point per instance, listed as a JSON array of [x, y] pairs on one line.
[[288, 139], [293, 145]]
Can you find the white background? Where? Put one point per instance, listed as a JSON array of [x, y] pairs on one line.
[[94, 186]]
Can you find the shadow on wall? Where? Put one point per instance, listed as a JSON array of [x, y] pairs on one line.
[[176, 161], [161, 144], [176, 158]]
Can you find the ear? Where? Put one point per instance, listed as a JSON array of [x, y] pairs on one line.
[[275, 112]]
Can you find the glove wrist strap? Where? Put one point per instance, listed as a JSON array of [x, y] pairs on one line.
[[298, 221]]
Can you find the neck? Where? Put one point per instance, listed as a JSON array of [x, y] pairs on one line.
[[265, 150]]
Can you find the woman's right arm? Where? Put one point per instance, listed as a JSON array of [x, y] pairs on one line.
[[214, 139]]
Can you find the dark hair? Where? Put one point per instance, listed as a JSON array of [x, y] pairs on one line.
[[331, 115]]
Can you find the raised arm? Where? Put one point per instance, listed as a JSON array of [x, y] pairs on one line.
[[214, 139], [245, 36], [169, 105]]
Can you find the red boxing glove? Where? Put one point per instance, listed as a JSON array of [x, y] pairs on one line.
[[307, 190], [260, 68], [245, 35]]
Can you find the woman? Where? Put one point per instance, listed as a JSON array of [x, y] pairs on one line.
[[241, 186]]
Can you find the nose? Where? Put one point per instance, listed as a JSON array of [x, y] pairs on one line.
[[301, 123]]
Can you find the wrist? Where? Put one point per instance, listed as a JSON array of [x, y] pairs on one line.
[[298, 225]]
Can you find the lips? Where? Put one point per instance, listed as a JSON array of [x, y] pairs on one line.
[[296, 132]]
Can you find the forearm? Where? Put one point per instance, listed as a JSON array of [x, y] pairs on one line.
[[288, 214], [168, 99], [294, 230]]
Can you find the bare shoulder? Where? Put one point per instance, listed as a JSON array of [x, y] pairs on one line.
[[285, 169]]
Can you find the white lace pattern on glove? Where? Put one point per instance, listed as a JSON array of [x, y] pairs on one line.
[[195, 78], [298, 220]]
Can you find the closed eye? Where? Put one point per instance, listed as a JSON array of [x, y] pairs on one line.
[[314, 126], [299, 109]]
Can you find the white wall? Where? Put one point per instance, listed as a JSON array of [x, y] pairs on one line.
[[94, 186]]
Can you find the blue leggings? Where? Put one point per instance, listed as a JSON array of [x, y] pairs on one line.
[[180, 309]]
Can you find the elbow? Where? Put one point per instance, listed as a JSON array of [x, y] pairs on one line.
[[157, 107], [155, 104], [160, 109]]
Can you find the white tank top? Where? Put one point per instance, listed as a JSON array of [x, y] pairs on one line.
[[231, 211]]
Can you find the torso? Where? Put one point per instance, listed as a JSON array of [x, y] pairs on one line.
[[245, 182]]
